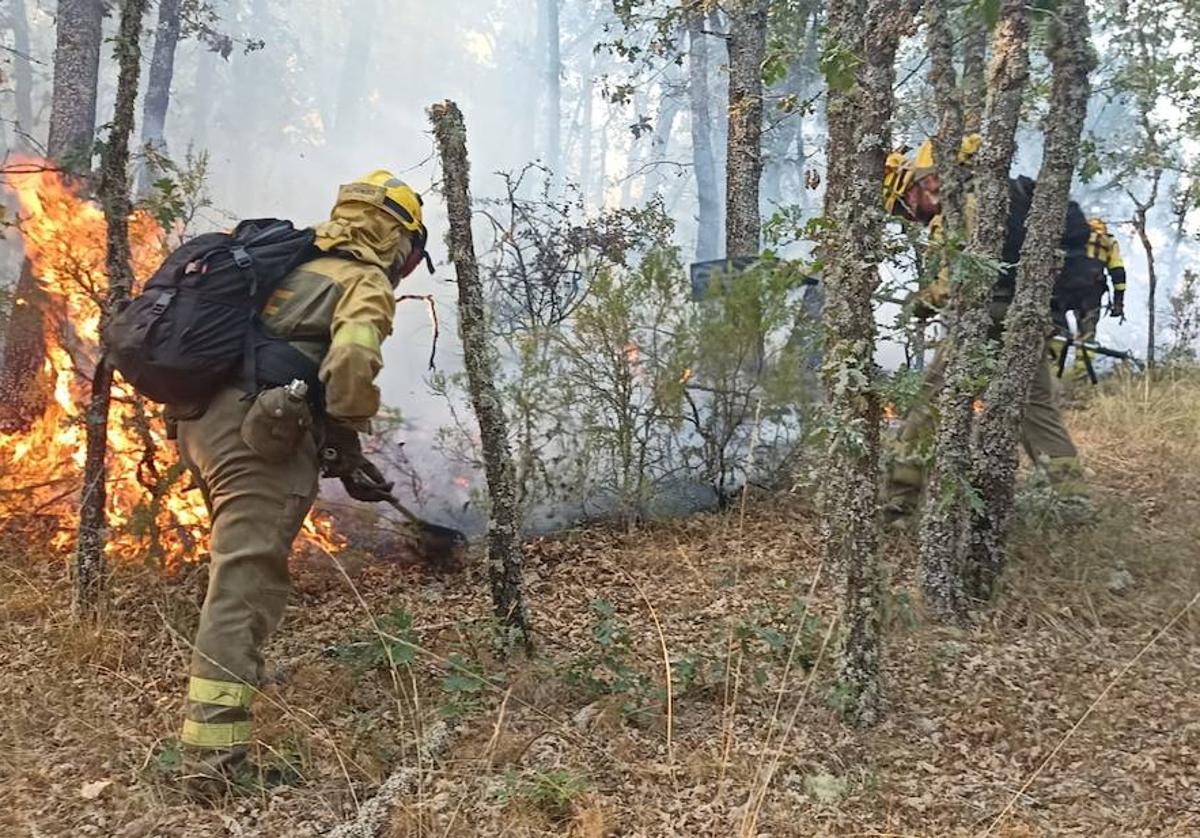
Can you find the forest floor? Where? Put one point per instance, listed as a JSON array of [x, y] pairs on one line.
[[987, 728]]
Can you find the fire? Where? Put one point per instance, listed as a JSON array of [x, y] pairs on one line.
[[150, 515], [889, 412]]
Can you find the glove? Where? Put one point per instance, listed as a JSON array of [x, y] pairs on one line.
[[1117, 309], [368, 484], [342, 457]]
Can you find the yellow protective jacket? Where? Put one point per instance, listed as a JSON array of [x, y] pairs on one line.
[[338, 309]]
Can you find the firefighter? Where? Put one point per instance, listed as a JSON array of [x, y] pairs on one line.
[[1081, 292], [336, 310], [912, 191]]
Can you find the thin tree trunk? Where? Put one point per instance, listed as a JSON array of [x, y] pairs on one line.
[[669, 105], [1027, 320], [859, 117], [158, 90], [22, 74], [76, 70], [552, 81], [1140, 212], [946, 525], [23, 390], [708, 233], [504, 549], [747, 43], [114, 194], [1008, 77]]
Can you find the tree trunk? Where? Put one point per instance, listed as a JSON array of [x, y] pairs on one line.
[[1027, 320], [1008, 78], [76, 69], [72, 124], [946, 525], [158, 89], [553, 87], [671, 91], [708, 233], [504, 549], [1140, 212], [974, 74], [859, 116], [114, 194], [747, 44], [22, 74]]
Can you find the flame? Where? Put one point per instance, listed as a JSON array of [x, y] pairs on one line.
[[150, 516], [889, 412], [462, 483], [977, 405]]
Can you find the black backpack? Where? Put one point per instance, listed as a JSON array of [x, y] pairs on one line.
[[195, 326], [1020, 200]]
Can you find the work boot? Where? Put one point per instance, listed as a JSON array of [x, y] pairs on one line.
[[213, 777]]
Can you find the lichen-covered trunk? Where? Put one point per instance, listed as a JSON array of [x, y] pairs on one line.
[[859, 117], [1027, 322], [747, 44], [114, 195], [76, 69], [158, 88], [708, 232], [974, 73], [946, 524], [504, 549]]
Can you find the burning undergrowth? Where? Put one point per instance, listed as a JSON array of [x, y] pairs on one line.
[[151, 516]]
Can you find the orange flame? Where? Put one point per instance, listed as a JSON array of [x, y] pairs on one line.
[[41, 468]]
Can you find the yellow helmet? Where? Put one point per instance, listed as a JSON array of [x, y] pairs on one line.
[[403, 203], [1098, 226], [900, 172], [399, 199]]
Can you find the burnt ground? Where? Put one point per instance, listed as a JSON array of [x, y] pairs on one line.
[[1068, 707]]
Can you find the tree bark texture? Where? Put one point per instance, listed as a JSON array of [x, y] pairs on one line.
[[974, 73], [504, 550], [948, 493], [947, 522], [76, 70], [747, 44], [114, 194], [859, 117], [708, 232], [158, 87], [1027, 322], [1008, 76]]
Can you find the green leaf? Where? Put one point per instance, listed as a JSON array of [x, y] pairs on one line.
[[839, 66]]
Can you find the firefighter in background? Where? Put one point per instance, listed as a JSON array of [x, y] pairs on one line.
[[336, 310], [911, 190], [1081, 292]]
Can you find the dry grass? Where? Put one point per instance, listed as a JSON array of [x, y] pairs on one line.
[[89, 713]]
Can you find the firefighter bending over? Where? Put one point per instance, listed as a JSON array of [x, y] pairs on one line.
[[1081, 292], [336, 310], [911, 190]]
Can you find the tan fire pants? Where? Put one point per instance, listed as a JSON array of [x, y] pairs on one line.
[[256, 510], [1043, 435]]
